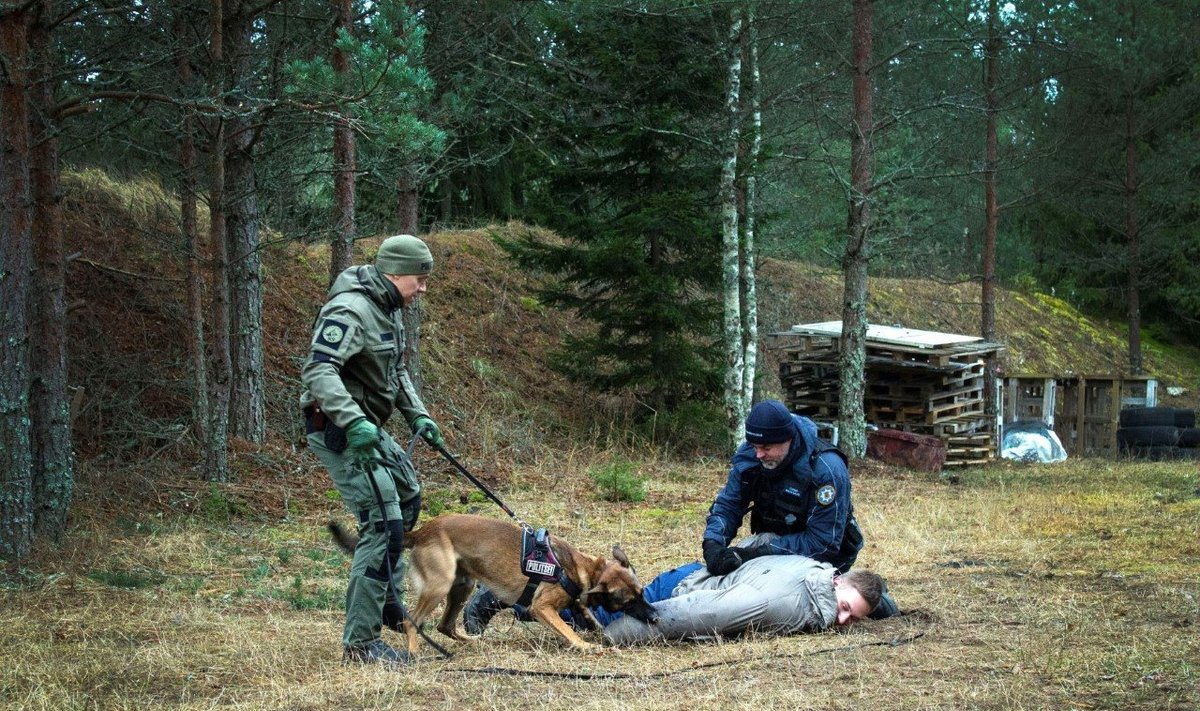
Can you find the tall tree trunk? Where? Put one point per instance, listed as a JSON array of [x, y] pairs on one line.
[[191, 245], [991, 210], [730, 262], [406, 216], [16, 278], [1133, 238], [855, 261], [344, 163], [411, 316], [749, 279], [445, 189], [246, 407], [246, 290], [53, 464], [1132, 232], [217, 454], [407, 203]]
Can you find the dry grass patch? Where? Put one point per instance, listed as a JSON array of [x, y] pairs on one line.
[[1068, 586]]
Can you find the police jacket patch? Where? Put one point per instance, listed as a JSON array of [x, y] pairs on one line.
[[826, 494], [331, 333]]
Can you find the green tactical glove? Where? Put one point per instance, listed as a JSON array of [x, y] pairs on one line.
[[427, 428], [361, 438]]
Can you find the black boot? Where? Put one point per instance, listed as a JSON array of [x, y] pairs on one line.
[[480, 610], [376, 652]]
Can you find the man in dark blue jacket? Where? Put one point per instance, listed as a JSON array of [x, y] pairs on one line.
[[796, 488]]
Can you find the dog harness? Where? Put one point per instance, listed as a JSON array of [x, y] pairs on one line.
[[540, 565]]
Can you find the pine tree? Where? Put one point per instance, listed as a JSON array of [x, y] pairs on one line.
[[633, 96]]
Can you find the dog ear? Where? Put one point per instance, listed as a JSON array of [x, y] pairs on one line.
[[620, 557], [598, 589]]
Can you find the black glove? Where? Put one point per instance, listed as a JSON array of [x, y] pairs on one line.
[[721, 560], [712, 549]]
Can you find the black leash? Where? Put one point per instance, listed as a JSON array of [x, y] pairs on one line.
[[588, 676], [481, 486], [387, 559]]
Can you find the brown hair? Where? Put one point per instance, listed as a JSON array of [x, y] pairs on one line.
[[868, 584]]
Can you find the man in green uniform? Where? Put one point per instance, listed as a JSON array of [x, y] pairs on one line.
[[354, 377]]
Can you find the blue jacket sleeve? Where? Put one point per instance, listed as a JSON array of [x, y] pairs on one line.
[[728, 509], [826, 521]]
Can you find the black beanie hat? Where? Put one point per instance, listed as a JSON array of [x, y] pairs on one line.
[[769, 422]]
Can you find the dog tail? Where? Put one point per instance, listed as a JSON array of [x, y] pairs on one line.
[[342, 538], [348, 541]]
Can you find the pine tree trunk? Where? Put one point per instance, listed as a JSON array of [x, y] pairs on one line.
[[411, 316], [407, 204], [1132, 233], [1133, 237], [191, 246], [53, 465], [406, 214], [16, 268], [344, 162], [991, 209], [217, 454], [749, 264], [246, 406], [852, 359], [246, 292], [445, 190], [730, 262]]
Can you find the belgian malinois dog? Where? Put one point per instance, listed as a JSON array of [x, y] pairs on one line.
[[451, 552]]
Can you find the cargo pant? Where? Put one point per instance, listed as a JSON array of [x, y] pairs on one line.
[[369, 600]]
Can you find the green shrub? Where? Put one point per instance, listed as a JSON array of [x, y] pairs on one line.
[[617, 481], [317, 599], [530, 303], [215, 507], [129, 579], [694, 427]]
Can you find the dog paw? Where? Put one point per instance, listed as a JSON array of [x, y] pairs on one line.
[[457, 634]]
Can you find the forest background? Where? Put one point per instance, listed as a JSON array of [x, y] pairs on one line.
[[665, 145], [623, 199]]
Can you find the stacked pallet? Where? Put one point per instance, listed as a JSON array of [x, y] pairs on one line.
[[916, 381]]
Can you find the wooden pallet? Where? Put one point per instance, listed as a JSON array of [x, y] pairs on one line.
[[916, 381], [953, 463]]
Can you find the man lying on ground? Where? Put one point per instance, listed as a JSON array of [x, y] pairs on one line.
[[778, 594]]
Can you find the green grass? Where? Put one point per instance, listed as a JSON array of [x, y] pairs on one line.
[[1033, 587]]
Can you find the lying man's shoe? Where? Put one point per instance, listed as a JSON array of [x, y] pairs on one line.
[[480, 610], [376, 652]]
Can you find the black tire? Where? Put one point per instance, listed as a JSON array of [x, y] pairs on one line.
[[1185, 418], [1147, 417], [1189, 437], [1160, 436]]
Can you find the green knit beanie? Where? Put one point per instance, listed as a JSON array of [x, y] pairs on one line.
[[403, 254]]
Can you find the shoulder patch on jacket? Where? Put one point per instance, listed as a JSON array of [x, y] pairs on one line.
[[826, 494], [331, 333]]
